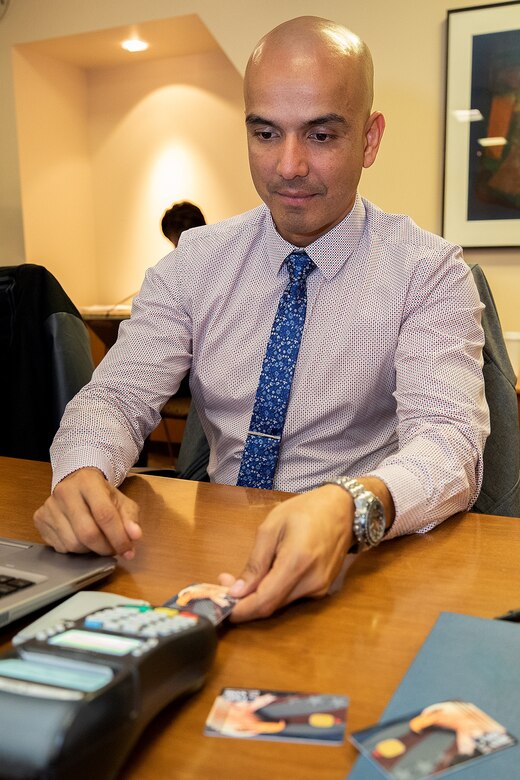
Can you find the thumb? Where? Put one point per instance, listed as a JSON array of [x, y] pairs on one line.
[[129, 513], [257, 566], [465, 744]]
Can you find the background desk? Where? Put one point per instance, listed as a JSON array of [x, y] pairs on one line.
[[103, 324], [359, 642]]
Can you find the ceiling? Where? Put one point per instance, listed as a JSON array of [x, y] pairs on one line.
[[175, 37]]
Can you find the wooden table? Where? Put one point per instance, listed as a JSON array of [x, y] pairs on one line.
[[359, 642]]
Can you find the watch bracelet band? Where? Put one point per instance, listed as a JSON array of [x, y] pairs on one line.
[[357, 490]]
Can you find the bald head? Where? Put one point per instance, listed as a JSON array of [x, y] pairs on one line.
[[300, 42], [310, 130]]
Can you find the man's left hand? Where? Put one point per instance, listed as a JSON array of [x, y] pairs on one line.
[[298, 551]]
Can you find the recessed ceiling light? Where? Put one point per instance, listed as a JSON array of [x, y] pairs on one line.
[[134, 44]]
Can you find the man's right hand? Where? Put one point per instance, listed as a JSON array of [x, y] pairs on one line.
[[86, 513]]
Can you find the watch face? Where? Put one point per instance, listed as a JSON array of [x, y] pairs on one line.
[[369, 524], [369, 521], [375, 527]]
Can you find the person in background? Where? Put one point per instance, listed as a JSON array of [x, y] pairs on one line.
[[179, 217], [335, 350]]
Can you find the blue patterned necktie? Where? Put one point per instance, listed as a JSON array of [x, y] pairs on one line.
[[272, 396]]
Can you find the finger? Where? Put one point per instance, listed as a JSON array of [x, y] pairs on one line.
[[417, 724], [465, 744], [259, 562], [274, 591], [262, 701], [226, 579], [55, 531], [129, 512], [111, 518]]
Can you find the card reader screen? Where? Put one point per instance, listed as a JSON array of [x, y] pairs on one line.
[[96, 642]]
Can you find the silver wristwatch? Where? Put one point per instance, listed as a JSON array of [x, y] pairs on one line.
[[369, 516]]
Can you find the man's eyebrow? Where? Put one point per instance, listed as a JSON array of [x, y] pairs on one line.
[[254, 119], [325, 119]]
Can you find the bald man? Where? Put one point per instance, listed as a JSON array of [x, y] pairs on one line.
[[386, 420]]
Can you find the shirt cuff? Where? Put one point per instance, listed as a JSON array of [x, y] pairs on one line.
[[409, 500], [71, 463]]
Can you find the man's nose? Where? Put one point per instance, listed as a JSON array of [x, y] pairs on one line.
[[292, 162]]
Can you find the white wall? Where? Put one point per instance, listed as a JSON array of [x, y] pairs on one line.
[[104, 152], [157, 133], [407, 38], [55, 172]]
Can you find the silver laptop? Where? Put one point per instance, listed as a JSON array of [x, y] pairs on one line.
[[33, 575]]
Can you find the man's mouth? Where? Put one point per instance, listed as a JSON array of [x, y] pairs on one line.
[[294, 197]]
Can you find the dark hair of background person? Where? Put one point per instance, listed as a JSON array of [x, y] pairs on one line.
[[179, 217]]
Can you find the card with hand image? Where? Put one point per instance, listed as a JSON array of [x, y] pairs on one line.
[[441, 737], [278, 715], [206, 599]]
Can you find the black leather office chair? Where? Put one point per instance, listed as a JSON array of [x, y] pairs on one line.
[[193, 457], [176, 408], [500, 492], [45, 357], [192, 462]]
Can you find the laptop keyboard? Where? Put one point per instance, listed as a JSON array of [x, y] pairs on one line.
[[10, 585]]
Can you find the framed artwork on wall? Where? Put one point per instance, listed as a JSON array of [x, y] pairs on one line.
[[481, 203]]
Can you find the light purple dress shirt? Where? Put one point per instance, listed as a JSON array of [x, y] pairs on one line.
[[388, 380]]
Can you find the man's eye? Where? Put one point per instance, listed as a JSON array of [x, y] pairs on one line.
[[322, 137], [264, 135]]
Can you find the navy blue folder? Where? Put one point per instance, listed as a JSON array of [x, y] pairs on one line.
[[473, 659]]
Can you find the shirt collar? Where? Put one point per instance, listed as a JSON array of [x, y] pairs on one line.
[[330, 251]]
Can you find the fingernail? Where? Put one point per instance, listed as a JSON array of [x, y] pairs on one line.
[[237, 588], [129, 555]]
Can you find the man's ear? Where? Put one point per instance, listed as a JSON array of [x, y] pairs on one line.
[[374, 129]]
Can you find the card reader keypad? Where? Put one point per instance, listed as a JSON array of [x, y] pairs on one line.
[[142, 621]]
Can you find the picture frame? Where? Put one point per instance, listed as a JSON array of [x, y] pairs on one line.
[[481, 192]]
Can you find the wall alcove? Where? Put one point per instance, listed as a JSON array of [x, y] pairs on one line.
[[108, 140]]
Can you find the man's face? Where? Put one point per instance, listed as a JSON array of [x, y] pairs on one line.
[[309, 136]]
